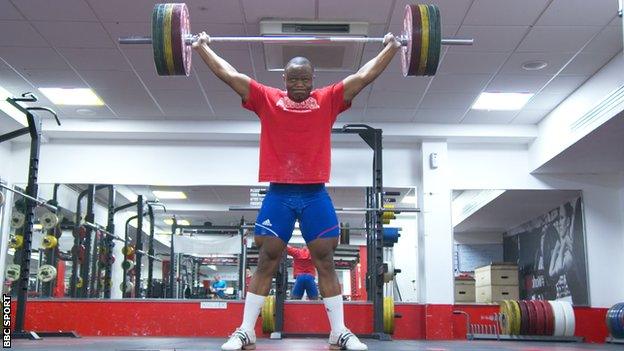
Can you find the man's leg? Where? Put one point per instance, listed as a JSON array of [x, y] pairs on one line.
[[297, 291], [322, 251]]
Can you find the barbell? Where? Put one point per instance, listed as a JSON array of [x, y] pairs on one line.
[[171, 39]]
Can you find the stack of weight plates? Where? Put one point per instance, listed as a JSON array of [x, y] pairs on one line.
[[537, 317], [615, 320]]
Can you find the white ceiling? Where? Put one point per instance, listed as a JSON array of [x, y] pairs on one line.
[[512, 208], [73, 43]]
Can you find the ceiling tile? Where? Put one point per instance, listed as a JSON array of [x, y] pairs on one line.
[[394, 81], [513, 83], [19, 33], [545, 101], [208, 80], [8, 12], [361, 99], [587, 63], [490, 38], [240, 60], [472, 62], [609, 40], [96, 59], [155, 82], [13, 82], [127, 29], [617, 22], [557, 39], [52, 78], [555, 61], [222, 100], [392, 99], [459, 83], [57, 10], [488, 117], [439, 115], [578, 13], [448, 100], [375, 114], [295, 9], [182, 102], [530, 116], [564, 84], [122, 10], [504, 13], [214, 11], [34, 58], [130, 103], [372, 11], [452, 12], [141, 58], [75, 34], [84, 112], [100, 80], [235, 114]]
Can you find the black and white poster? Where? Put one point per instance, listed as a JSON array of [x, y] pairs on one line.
[[550, 252]]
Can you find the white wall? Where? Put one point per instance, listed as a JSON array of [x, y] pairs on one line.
[[198, 163]]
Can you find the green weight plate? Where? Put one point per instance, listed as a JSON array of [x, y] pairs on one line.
[[157, 39], [436, 43]]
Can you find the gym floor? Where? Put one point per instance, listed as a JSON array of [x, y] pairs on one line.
[[195, 344]]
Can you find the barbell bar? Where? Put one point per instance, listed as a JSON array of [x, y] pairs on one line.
[[115, 237], [343, 209], [171, 38], [37, 201]]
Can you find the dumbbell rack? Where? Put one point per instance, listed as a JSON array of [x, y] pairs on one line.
[[32, 189]]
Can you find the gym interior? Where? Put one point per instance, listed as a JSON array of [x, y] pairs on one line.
[[478, 181]]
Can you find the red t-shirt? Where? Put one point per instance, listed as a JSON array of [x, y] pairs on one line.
[[295, 138], [302, 261]]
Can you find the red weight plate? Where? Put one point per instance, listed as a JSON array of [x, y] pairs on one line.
[[410, 54], [540, 321], [550, 318], [185, 31], [524, 317], [532, 318]]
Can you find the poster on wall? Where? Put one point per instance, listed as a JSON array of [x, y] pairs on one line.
[[550, 251]]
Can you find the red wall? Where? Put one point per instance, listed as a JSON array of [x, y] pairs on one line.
[[185, 318]]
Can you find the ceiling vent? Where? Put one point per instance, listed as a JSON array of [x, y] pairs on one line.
[[328, 57]]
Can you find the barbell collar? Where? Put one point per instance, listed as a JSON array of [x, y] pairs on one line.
[[290, 39]]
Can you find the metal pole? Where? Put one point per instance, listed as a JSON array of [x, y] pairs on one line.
[[139, 248], [290, 39], [150, 251], [84, 267]]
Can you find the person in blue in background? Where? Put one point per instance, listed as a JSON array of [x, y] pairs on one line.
[[218, 287]]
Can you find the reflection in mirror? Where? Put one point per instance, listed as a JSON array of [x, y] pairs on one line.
[[88, 246], [519, 244]]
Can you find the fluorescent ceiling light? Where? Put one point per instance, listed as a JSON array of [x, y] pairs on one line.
[[169, 221], [501, 101], [74, 96], [10, 110], [409, 199], [170, 195]]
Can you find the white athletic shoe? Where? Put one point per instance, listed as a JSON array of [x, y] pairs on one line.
[[240, 340], [345, 341]]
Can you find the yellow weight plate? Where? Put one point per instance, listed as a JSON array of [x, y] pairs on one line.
[[388, 315], [424, 14], [268, 315], [516, 317], [167, 39], [505, 317]]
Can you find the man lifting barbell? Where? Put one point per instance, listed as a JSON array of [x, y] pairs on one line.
[[295, 159]]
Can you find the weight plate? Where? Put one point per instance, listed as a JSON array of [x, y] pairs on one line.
[[17, 220], [268, 315], [16, 242], [424, 50], [516, 317], [168, 42], [432, 38], [79, 283], [410, 54], [570, 325], [185, 32], [46, 273], [13, 272], [524, 317], [48, 220], [505, 317], [436, 45], [559, 315], [550, 318], [540, 317], [615, 321], [531, 330], [49, 242], [177, 43], [158, 39], [388, 315]]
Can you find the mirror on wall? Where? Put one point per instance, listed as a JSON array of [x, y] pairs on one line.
[[519, 244], [80, 251]]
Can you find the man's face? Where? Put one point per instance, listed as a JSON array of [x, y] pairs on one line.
[[299, 81]]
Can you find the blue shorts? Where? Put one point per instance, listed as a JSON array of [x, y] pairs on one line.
[[305, 282], [310, 204]]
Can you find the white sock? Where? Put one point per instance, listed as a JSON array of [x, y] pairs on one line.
[[253, 305], [335, 313]]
